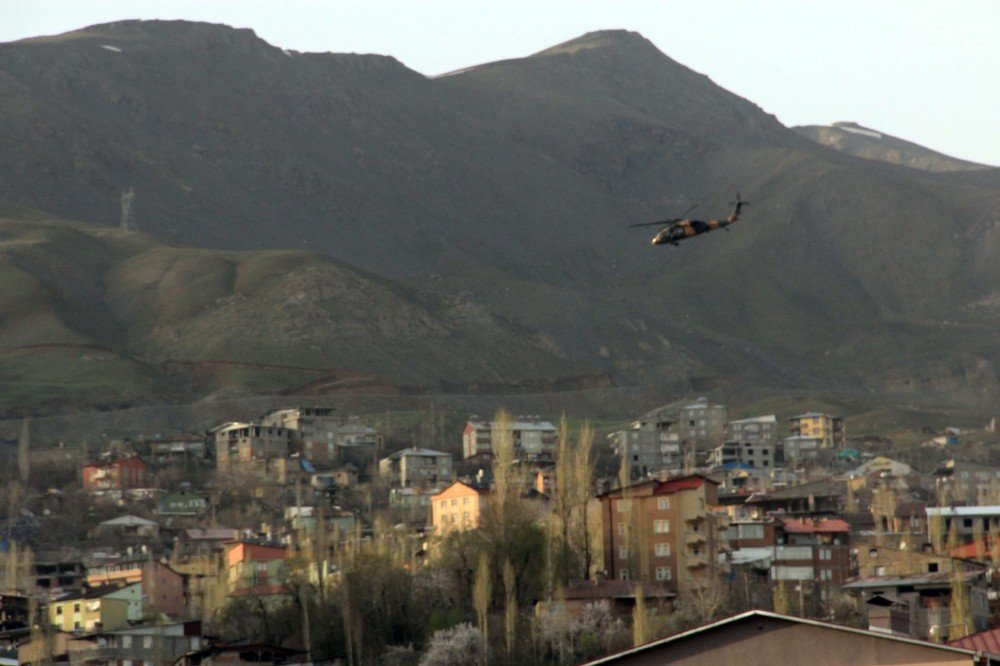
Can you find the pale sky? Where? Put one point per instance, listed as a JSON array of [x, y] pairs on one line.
[[926, 71]]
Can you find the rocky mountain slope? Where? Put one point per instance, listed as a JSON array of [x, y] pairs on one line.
[[511, 185]]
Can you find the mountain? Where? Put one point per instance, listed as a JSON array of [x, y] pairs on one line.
[[871, 144], [97, 315], [510, 185]]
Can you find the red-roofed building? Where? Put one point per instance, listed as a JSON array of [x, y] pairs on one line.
[[664, 532], [252, 564], [984, 641]]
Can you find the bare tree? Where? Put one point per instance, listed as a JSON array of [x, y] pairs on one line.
[[481, 595]]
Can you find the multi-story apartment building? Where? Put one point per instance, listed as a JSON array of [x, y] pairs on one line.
[[702, 424], [416, 467], [664, 531], [759, 455], [162, 588], [100, 607], [829, 430], [246, 442], [534, 439], [458, 507], [647, 446], [968, 522], [313, 431], [755, 430]]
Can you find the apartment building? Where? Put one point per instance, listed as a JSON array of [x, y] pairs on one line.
[[754, 430], [534, 439], [647, 446], [416, 467], [828, 430], [664, 531], [702, 424], [237, 443]]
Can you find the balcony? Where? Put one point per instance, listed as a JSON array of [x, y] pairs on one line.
[[694, 538], [696, 561], [695, 519]]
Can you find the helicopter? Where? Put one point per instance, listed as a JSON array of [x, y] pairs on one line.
[[681, 228]]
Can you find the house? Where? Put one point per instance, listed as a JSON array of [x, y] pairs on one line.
[[702, 424], [763, 638], [534, 439], [240, 652], [162, 587], [357, 442], [648, 445], [96, 608], [459, 506], [920, 605], [129, 527], [182, 503], [145, 644], [251, 565], [416, 467], [664, 531], [58, 573], [830, 431], [120, 474], [799, 448], [816, 498], [618, 596], [876, 560], [968, 482]]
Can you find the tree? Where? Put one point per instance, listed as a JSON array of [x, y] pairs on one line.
[[481, 595], [460, 645]]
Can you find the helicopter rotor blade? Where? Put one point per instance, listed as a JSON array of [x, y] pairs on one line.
[[684, 214], [660, 222]]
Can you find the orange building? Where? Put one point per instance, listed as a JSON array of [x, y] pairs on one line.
[[459, 506]]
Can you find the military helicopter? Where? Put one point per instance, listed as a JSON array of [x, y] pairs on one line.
[[681, 228]]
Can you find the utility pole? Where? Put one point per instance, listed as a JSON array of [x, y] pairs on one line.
[[126, 223]]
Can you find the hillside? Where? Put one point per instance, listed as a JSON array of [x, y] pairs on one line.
[[511, 185], [99, 316], [871, 144]]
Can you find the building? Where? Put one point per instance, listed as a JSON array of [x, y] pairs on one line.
[[968, 522], [534, 439], [755, 430], [313, 431], [814, 499], [255, 565], [702, 424], [648, 445], [357, 442], [799, 448], [237, 443], [763, 638], [115, 476], [920, 604], [459, 506], [664, 531], [131, 528], [162, 587], [829, 430], [182, 503], [177, 449], [758, 455], [148, 644], [416, 467], [98, 608]]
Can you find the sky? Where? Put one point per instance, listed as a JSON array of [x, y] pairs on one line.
[[926, 71]]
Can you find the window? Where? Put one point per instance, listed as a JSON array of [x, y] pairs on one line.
[[444, 503], [662, 573], [147, 642], [623, 574], [661, 526], [465, 500], [623, 552], [59, 610], [76, 608], [454, 502], [621, 528], [623, 505], [932, 567], [663, 549], [663, 503]]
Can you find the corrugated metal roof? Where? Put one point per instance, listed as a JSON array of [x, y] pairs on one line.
[[985, 641]]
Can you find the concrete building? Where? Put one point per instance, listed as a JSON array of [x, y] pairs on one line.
[[702, 424], [759, 455], [968, 521], [534, 439], [416, 467], [313, 431], [162, 587], [91, 609], [237, 443], [124, 473], [755, 430], [647, 446], [664, 531], [798, 448], [829, 430]]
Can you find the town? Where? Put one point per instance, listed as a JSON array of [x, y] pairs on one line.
[[303, 535]]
